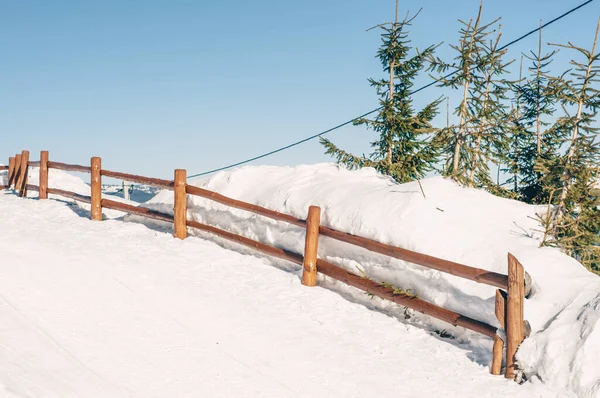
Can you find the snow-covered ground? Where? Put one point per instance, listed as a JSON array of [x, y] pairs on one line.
[[469, 226], [119, 308], [112, 308]]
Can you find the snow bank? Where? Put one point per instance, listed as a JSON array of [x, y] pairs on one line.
[[61, 180], [469, 226], [68, 182]]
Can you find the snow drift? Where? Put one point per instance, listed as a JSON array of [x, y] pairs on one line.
[[445, 220]]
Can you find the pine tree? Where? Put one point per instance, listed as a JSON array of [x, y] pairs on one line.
[[535, 147], [574, 176], [403, 150], [479, 138]]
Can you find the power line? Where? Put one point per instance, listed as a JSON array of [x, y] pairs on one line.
[[375, 110]]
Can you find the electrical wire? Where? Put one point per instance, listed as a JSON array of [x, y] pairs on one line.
[[375, 110]]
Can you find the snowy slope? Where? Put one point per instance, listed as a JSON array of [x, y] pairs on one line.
[[464, 225], [114, 309]]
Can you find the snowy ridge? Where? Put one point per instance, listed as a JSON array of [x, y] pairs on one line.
[[455, 223]]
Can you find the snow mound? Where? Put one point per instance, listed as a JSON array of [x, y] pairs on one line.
[[442, 219], [60, 179]]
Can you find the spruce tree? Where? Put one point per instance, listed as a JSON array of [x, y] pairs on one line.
[[403, 150], [535, 147], [479, 138], [574, 175]]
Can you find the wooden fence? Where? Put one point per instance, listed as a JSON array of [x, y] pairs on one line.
[[510, 295]]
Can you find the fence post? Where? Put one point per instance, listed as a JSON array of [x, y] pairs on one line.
[[514, 313], [180, 207], [17, 171], [43, 191], [96, 197], [311, 245], [500, 309], [24, 174], [11, 171]]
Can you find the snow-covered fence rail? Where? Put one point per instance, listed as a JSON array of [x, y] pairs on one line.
[[509, 297]]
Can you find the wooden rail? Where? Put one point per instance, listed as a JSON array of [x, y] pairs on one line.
[[139, 211], [70, 195], [450, 267], [214, 196], [157, 182], [509, 301], [406, 300], [69, 167]]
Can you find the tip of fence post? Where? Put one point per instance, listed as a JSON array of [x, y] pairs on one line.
[[511, 257]]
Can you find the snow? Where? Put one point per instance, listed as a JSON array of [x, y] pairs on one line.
[[118, 308], [469, 226]]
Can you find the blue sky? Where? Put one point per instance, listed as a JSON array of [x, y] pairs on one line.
[[155, 85]]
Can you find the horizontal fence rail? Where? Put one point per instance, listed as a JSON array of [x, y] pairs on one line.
[[71, 195], [510, 295], [69, 167], [406, 300], [157, 182], [450, 267], [138, 211]]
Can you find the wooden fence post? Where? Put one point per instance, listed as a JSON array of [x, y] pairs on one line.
[[17, 171], [43, 191], [496, 366], [96, 196], [180, 207], [514, 313], [11, 171], [24, 173], [311, 246]]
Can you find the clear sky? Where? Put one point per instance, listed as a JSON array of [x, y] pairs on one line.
[[155, 85]]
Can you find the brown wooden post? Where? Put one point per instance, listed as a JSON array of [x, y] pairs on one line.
[[43, 192], [180, 208], [514, 313], [24, 174], [311, 246], [496, 366], [96, 197], [11, 171], [17, 174]]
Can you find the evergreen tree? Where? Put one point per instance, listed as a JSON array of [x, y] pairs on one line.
[[535, 147], [479, 138], [403, 150], [574, 175]]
